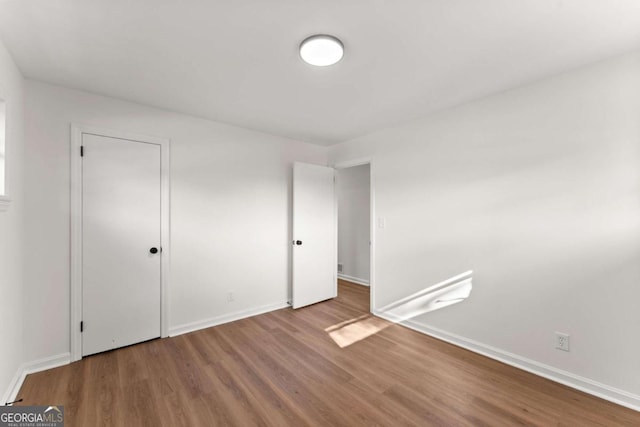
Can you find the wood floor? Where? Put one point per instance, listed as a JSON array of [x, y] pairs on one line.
[[330, 364]]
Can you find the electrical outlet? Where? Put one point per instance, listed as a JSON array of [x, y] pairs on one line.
[[230, 297], [562, 341]]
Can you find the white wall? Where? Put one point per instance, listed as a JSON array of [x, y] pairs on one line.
[[11, 313], [2, 135], [537, 190], [353, 221], [230, 215]]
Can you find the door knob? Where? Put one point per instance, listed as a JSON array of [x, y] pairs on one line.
[[298, 242], [153, 250]]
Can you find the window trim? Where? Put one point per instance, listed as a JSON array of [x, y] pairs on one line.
[[5, 200]]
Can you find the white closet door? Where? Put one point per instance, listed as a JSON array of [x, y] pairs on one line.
[[121, 253]]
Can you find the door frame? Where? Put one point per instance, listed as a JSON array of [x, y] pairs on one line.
[[372, 223], [77, 130]]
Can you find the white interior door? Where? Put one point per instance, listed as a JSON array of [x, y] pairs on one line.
[[314, 234], [120, 225]]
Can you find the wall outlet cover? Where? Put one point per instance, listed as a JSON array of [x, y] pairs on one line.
[[562, 341]]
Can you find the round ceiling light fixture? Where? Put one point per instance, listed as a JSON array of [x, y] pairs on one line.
[[321, 50]]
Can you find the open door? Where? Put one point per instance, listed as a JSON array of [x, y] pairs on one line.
[[314, 234]]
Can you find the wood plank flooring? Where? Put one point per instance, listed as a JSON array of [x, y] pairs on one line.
[[330, 364]]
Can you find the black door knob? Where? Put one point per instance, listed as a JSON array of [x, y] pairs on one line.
[[298, 242], [153, 250]]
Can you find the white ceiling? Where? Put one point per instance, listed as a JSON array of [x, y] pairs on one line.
[[237, 61]]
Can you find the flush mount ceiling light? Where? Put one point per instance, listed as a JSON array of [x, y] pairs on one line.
[[321, 50]]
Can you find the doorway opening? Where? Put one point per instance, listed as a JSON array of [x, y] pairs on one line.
[[355, 234]]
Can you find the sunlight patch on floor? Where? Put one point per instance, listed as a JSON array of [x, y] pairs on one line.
[[448, 292], [351, 331]]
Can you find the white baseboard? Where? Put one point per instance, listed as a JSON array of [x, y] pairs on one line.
[[352, 279], [30, 368], [219, 320], [569, 379]]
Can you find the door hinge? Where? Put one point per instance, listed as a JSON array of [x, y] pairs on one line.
[[81, 326], [81, 150]]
